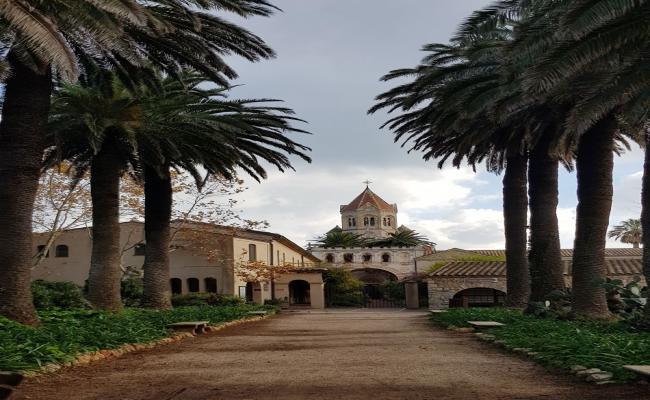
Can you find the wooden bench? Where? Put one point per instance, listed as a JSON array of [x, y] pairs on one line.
[[639, 369], [485, 324], [8, 383], [195, 327]]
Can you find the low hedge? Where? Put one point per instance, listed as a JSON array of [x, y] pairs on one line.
[[63, 335], [560, 343]]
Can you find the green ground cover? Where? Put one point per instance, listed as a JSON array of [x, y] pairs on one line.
[[561, 344], [65, 334]]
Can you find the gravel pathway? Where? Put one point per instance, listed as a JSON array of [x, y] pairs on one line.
[[354, 354]]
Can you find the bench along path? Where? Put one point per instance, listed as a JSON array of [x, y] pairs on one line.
[[322, 355]]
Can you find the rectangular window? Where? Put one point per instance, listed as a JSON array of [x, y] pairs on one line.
[[252, 252]]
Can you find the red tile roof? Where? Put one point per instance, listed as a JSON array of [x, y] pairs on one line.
[[609, 252], [615, 266], [367, 197]]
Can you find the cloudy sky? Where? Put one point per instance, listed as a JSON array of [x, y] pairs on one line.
[[331, 54]]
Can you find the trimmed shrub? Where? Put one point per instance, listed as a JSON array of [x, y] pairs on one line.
[[343, 289], [57, 295], [200, 299]]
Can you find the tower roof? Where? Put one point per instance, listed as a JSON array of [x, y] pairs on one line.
[[367, 197]]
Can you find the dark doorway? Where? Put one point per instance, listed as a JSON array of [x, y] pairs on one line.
[[299, 293], [249, 292], [176, 285]]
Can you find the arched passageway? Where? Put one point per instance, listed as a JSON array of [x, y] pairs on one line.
[[299, 293], [478, 297]]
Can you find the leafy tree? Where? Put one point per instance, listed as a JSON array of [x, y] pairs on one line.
[[66, 37], [628, 231]]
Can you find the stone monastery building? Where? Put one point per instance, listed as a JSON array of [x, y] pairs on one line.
[[374, 218]]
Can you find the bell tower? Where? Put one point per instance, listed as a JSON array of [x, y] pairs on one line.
[[369, 215]]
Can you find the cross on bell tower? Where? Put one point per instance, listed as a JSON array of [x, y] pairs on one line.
[[367, 182]]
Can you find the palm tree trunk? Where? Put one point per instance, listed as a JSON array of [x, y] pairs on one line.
[[105, 273], [545, 260], [595, 163], [645, 224], [515, 219], [158, 210], [22, 132]]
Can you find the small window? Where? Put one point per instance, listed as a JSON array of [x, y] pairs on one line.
[[329, 258], [367, 257], [193, 285], [366, 221], [176, 285], [348, 257], [384, 221], [385, 257], [252, 252], [40, 249], [211, 285], [388, 221], [139, 249], [372, 221], [61, 251]]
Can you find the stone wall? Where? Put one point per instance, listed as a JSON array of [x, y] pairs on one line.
[[442, 289]]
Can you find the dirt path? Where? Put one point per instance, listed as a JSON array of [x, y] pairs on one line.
[[322, 355]]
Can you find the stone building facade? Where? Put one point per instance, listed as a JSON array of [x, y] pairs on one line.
[[374, 218], [460, 279], [204, 258]]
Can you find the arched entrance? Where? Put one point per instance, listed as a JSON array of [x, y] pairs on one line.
[[381, 288], [478, 297], [299, 293]]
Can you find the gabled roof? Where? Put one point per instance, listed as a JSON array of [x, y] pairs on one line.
[[368, 197]]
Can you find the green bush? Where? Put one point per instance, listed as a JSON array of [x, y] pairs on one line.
[[211, 299], [131, 289], [393, 290], [561, 343], [64, 335], [343, 289], [52, 295]]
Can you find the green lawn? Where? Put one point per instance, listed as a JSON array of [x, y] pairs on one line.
[[63, 335], [561, 344]]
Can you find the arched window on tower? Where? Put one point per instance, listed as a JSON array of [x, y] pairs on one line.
[[372, 221], [366, 221], [388, 221], [384, 221], [351, 222]]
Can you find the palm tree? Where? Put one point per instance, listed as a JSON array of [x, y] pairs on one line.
[[188, 126], [441, 118], [151, 131], [402, 237], [628, 231], [128, 35], [338, 238]]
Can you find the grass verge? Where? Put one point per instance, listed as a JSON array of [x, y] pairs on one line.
[[64, 335], [561, 344]]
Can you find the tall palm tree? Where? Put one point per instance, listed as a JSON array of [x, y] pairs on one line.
[[186, 127], [40, 37], [628, 231], [151, 131], [444, 117]]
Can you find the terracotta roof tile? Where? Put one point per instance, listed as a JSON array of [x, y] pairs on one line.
[[367, 197], [615, 266], [609, 252]]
